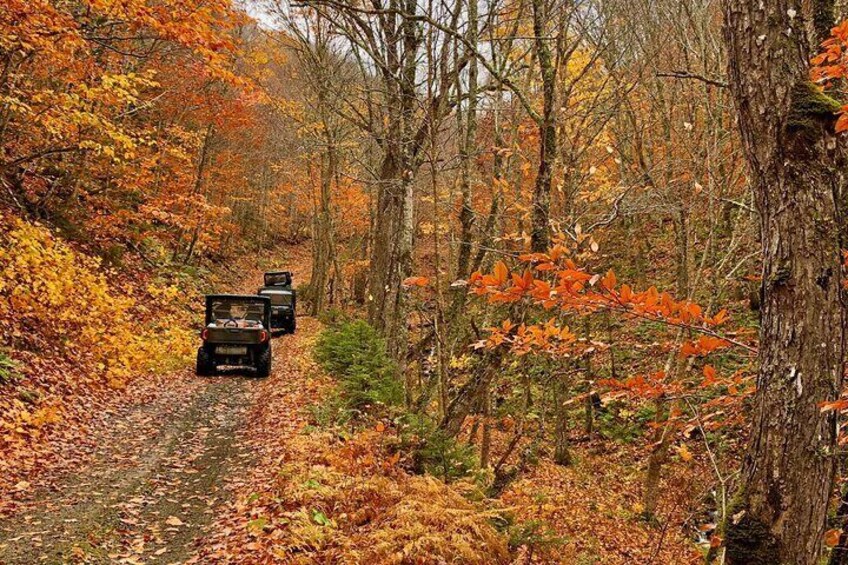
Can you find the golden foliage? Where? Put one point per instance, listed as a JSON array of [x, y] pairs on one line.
[[348, 501], [433, 520], [49, 288]]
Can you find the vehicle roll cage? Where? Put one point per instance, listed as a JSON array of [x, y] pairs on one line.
[[243, 298], [272, 276]]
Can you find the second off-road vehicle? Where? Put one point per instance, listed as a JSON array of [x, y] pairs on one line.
[[278, 287], [236, 332]]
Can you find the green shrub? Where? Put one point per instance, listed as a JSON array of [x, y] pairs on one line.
[[333, 316], [536, 535], [355, 354], [8, 369], [331, 411], [434, 451], [622, 425]]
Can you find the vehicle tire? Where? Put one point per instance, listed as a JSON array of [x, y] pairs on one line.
[[205, 363], [263, 362], [291, 326]]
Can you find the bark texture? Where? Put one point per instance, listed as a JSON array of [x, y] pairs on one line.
[[778, 517], [411, 118], [391, 254], [468, 153], [540, 235], [321, 285]]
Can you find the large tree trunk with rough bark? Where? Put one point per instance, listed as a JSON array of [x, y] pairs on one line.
[[323, 249], [779, 514], [391, 257]]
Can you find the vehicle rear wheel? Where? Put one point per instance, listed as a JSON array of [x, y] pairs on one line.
[[291, 326], [205, 363], [263, 362]]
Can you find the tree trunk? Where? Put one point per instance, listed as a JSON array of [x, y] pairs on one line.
[[467, 153], [839, 554], [391, 256], [486, 441], [682, 234], [198, 187], [322, 239], [779, 515], [562, 454], [589, 403], [540, 236], [656, 460]]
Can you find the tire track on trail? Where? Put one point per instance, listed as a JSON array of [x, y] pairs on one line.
[[275, 423], [152, 485]]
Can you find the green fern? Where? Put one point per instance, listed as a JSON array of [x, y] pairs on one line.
[[8, 369]]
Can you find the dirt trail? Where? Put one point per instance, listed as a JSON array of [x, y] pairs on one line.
[[152, 487]]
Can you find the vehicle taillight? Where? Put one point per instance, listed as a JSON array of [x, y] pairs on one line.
[[204, 334], [263, 335]]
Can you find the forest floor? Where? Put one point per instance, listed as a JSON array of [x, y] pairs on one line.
[[234, 469], [150, 486]]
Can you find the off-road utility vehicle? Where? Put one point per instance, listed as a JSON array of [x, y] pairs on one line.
[[237, 332], [278, 287]]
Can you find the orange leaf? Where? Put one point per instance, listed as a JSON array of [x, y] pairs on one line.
[[501, 272], [609, 280], [842, 123], [416, 281], [838, 405], [719, 318], [831, 537], [688, 349], [709, 375], [527, 279], [573, 275], [708, 343], [694, 310]]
